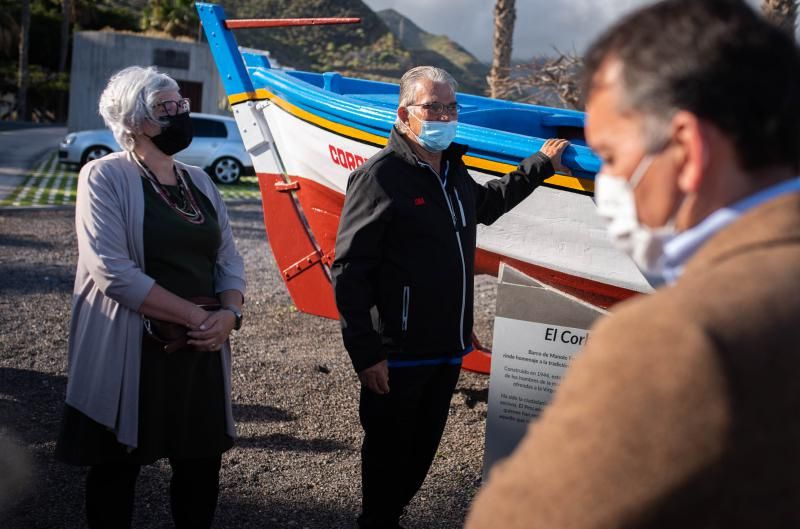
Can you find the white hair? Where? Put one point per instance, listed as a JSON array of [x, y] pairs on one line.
[[127, 101], [410, 82]]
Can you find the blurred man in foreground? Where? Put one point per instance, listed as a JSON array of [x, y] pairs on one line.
[[682, 409]]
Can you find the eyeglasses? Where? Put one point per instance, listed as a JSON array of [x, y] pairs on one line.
[[173, 108], [438, 109]]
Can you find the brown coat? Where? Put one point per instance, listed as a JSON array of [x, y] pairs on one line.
[[683, 410]]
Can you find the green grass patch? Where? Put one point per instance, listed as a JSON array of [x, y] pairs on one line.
[[53, 184]]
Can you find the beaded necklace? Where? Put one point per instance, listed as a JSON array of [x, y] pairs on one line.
[[184, 205]]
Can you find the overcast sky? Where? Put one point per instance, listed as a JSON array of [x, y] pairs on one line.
[[541, 24]]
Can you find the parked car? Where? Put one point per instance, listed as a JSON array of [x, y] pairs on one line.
[[216, 147]]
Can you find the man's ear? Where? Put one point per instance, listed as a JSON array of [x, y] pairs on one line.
[[691, 152], [402, 114]]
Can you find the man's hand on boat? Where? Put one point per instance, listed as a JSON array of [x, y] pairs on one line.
[[553, 148]]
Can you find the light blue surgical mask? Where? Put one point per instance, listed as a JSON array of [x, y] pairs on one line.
[[436, 136]]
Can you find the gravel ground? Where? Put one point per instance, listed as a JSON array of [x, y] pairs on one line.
[[296, 462]]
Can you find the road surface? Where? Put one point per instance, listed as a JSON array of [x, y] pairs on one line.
[[21, 146]]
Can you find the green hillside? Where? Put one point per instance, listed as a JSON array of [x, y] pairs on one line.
[[368, 49], [437, 50], [373, 49]]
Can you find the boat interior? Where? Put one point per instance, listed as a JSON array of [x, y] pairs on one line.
[[512, 125]]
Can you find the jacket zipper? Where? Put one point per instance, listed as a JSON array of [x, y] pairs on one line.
[[461, 207], [463, 263], [406, 306], [463, 291]]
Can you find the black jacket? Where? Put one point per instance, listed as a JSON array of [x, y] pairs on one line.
[[405, 251]]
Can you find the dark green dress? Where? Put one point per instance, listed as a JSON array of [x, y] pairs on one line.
[[181, 394]]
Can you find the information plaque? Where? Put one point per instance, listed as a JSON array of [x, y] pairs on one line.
[[537, 331]]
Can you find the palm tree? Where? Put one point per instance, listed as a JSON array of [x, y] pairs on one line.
[[24, 45], [781, 12], [505, 14]]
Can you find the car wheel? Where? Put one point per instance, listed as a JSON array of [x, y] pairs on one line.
[[226, 170], [93, 153]]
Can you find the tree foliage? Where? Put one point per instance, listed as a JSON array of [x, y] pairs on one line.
[[553, 81], [177, 18], [47, 87], [369, 49]]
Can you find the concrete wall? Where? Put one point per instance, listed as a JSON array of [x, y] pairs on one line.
[[96, 55]]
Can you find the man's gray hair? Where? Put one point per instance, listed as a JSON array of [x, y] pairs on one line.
[[411, 80], [127, 101]]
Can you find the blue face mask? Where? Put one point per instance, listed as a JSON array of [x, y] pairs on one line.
[[436, 136]]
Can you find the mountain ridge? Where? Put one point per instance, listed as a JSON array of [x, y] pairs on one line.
[[437, 50], [371, 50]]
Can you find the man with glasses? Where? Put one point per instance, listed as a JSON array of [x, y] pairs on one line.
[[403, 278], [681, 411]]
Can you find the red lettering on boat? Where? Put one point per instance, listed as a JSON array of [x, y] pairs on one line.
[[334, 156], [345, 159], [351, 160]]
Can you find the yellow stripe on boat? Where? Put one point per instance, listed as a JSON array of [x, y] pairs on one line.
[[571, 182], [240, 98], [344, 130], [557, 180]]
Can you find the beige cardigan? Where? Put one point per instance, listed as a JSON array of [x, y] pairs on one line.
[[105, 340]]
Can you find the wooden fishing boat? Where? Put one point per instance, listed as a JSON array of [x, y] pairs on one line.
[[307, 131]]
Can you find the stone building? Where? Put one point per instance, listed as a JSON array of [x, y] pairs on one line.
[[96, 55]]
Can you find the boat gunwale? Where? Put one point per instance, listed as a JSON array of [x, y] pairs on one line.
[[484, 142]]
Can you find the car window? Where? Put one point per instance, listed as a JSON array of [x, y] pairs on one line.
[[208, 128]]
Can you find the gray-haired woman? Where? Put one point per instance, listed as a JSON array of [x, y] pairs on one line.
[[152, 234]]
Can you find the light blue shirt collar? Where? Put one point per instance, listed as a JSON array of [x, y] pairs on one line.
[[680, 249]]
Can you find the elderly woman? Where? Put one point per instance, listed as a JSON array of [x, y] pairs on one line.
[[153, 235]]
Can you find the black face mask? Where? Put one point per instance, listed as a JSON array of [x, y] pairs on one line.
[[176, 135]]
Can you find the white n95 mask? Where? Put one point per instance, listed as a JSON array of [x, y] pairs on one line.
[[616, 205]]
